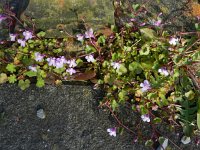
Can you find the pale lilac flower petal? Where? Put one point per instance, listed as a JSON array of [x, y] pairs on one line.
[[12, 37], [145, 118], [90, 58], [157, 23], [112, 131], [163, 71], [145, 86], [155, 108], [173, 41], [39, 57], [160, 14], [2, 17], [51, 61], [32, 68], [115, 65], [142, 24], [71, 71], [28, 35], [80, 37], [132, 19], [21, 42], [89, 34], [72, 63]]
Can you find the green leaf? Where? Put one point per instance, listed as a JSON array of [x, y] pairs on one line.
[[43, 74], [108, 78], [31, 73], [148, 33], [3, 78], [190, 95], [11, 68], [197, 26], [135, 67], [102, 40], [40, 82], [145, 50], [122, 95], [157, 120], [122, 69], [161, 140], [24, 84], [89, 49], [41, 34], [79, 62], [198, 114], [114, 105], [147, 65], [136, 6], [12, 78], [198, 120], [149, 143]]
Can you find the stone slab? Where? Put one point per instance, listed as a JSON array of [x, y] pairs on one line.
[[178, 15], [73, 120], [65, 15]]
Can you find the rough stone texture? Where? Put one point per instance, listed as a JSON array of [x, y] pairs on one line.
[[73, 120], [65, 15], [177, 14]]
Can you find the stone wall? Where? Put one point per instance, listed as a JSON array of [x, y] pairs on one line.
[[66, 15]]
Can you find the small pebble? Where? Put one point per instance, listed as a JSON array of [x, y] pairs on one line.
[[41, 113], [185, 140], [164, 145]]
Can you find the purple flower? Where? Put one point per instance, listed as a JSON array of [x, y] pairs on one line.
[[115, 65], [80, 37], [173, 41], [198, 18], [39, 57], [71, 63], [71, 71], [160, 14], [28, 35], [63, 60], [90, 58], [112, 131], [157, 23], [32, 68], [51, 61], [59, 62], [163, 71], [2, 17], [133, 19], [145, 118], [12, 37], [155, 107], [145, 86], [142, 24], [89, 34], [21, 42]]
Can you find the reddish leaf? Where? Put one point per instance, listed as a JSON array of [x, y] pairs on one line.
[[85, 76]]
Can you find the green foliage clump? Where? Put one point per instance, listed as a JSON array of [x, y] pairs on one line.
[[140, 66]]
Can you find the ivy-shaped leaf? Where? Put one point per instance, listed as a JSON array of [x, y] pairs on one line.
[[3, 78], [148, 33], [31, 73], [11, 68], [40, 82], [12, 78], [24, 84]]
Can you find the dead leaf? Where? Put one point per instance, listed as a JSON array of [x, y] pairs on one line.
[[84, 76]]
